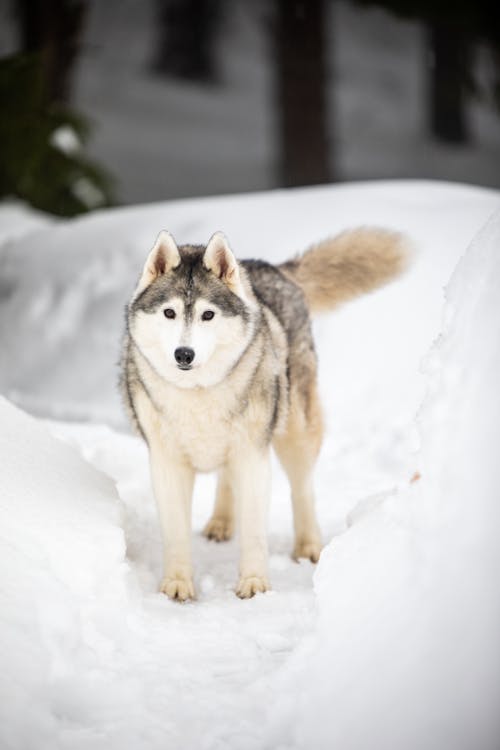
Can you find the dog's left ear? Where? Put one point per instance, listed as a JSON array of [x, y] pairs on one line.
[[219, 259]]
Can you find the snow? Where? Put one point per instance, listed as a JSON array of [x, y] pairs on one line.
[[63, 568], [17, 220], [66, 140], [408, 600], [393, 640], [89, 649]]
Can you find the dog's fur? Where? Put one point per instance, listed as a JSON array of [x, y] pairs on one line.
[[252, 383]]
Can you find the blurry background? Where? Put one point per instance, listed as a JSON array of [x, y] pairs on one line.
[[127, 101]]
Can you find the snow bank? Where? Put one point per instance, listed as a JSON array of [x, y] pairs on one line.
[[460, 499], [406, 652], [18, 220], [62, 581]]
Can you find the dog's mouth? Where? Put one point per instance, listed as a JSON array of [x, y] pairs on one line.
[[185, 367]]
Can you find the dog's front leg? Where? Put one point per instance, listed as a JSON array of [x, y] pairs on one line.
[[250, 478], [173, 487]]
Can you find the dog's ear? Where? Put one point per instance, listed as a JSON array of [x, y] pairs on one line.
[[163, 258], [219, 259]]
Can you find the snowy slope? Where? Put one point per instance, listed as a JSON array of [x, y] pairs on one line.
[[62, 582], [18, 220], [398, 636], [408, 599]]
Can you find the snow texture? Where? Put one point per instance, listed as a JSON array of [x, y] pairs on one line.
[[394, 643], [407, 635]]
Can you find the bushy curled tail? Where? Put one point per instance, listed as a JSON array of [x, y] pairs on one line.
[[352, 263]]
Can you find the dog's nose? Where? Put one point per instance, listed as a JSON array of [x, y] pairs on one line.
[[184, 355]]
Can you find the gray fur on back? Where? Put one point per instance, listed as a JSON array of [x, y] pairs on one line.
[[283, 297], [287, 302]]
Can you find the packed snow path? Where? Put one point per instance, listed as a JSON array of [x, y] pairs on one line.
[[93, 657], [108, 661]]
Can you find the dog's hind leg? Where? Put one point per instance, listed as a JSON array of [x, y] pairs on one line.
[[220, 527], [297, 449]]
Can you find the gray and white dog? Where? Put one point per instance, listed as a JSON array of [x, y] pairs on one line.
[[218, 365]]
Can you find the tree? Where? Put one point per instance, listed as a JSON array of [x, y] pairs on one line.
[[53, 29], [42, 158], [186, 33], [453, 28], [301, 92], [448, 83]]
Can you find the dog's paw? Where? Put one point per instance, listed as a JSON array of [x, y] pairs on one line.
[[310, 550], [251, 585], [180, 589], [219, 529]]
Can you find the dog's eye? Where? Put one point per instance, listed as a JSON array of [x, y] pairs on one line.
[[169, 313], [208, 315]]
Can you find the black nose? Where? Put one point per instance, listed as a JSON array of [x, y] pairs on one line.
[[184, 355]]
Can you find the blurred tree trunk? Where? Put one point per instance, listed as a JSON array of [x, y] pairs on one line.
[[54, 29], [448, 83], [301, 95], [186, 35]]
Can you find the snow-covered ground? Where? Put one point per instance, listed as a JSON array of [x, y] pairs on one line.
[[393, 640]]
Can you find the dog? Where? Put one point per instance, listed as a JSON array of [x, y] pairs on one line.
[[219, 365]]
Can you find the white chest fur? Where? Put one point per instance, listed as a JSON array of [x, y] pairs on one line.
[[200, 424]]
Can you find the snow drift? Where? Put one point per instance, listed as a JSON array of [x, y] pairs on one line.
[[407, 648], [62, 586]]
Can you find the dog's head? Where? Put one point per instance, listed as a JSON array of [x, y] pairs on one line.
[[193, 312]]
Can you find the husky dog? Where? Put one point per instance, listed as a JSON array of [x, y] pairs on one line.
[[218, 365]]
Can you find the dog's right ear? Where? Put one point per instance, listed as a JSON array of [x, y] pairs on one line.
[[163, 258]]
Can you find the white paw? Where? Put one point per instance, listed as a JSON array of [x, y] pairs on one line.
[[305, 548], [178, 588], [219, 529], [251, 585]]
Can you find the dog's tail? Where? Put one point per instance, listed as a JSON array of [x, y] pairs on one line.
[[352, 263]]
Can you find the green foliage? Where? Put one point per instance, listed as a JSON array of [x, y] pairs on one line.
[[33, 166]]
